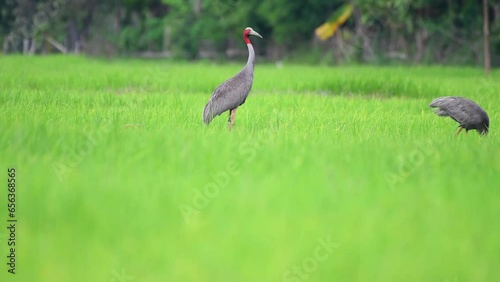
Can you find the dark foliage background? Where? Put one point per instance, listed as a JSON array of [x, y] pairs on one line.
[[379, 31]]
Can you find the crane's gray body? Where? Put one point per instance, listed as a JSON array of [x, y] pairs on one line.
[[464, 111], [233, 92]]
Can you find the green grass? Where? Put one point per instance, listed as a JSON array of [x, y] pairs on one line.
[[117, 175]]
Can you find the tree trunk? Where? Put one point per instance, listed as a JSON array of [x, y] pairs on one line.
[[118, 17], [5, 47], [26, 46], [43, 50], [421, 37], [197, 7], [32, 49], [73, 37], [486, 32], [365, 53], [56, 44], [340, 46]]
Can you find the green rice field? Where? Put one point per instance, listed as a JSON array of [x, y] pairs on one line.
[[331, 173]]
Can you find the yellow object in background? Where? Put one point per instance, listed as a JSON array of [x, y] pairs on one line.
[[340, 16]]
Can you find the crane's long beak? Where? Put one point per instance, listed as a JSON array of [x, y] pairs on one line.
[[253, 32]]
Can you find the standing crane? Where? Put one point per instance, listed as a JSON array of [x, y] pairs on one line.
[[464, 111], [233, 92]]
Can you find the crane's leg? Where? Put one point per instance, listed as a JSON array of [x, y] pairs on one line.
[[459, 129], [232, 116]]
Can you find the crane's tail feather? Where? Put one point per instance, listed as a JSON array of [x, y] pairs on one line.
[[441, 105], [440, 112], [441, 101], [207, 114]]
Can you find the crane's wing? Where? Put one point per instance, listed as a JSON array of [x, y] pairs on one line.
[[229, 95], [460, 109]]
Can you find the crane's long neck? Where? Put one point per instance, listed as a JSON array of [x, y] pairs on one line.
[[251, 55]]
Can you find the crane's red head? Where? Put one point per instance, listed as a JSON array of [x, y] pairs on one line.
[[249, 31]]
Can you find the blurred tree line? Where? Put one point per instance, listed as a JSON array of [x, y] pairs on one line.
[[378, 31]]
